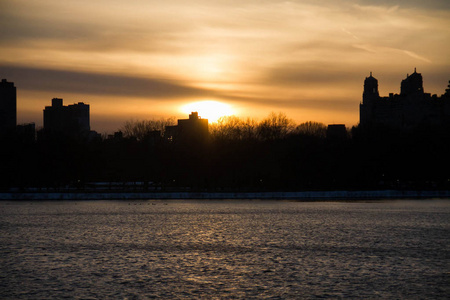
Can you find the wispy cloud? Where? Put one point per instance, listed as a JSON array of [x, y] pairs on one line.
[[350, 34], [387, 51], [414, 55]]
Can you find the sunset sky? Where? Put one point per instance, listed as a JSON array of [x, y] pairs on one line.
[[144, 59]]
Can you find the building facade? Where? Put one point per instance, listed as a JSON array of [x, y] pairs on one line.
[[8, 107], [405, 111], [69, 120], [194, 129]]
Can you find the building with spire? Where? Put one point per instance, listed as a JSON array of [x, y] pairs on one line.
[[405, 111]]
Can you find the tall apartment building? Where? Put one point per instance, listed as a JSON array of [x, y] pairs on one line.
[[69, 120], [8, 107]]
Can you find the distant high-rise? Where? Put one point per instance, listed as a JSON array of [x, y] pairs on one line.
[[8, 106], [69, 120], [408, 110], [194, 129]]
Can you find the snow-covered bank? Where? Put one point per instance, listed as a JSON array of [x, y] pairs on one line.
[[311, 195]]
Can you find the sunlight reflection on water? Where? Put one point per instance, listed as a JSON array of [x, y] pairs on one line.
[[223, 249]]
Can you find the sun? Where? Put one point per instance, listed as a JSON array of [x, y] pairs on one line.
[[211, 110]]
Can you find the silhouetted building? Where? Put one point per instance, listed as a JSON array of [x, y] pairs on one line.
[[69, 120], [117, 136], [170, 133], [193, 129], [8, 107], [412, 108], [336, 132], [153, 137], [26, 133]]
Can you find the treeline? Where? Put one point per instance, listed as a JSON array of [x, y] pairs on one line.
[[274, 154], [142, 130], [275, 126]]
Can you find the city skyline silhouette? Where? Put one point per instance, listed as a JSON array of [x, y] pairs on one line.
[[392, 108], [302, 58], [401, 142]]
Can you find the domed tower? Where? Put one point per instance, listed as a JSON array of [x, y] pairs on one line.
[[369, 103], [412, 84], [370, 89]]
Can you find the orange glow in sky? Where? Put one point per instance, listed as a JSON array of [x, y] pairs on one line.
[[211, 110], [148, 59]]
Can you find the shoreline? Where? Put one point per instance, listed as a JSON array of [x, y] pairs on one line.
[[306, 195]]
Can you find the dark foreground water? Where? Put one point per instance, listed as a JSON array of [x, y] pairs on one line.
[[224, 249]]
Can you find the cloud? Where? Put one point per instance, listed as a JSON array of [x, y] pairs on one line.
[[388, 50], [318, 74], [350, 34], [41, 79], [334, 103], [287, 54], [57, 81], [420, 4], [102, 33], [414, 55]]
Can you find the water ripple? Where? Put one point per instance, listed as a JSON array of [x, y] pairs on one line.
[[224, 249]]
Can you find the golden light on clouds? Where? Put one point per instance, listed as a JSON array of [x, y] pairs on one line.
[[296, 57], [211, 110]]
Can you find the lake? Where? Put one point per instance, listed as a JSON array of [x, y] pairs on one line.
[[192, 249]]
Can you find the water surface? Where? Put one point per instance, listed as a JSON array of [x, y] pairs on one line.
[[224, 249]]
